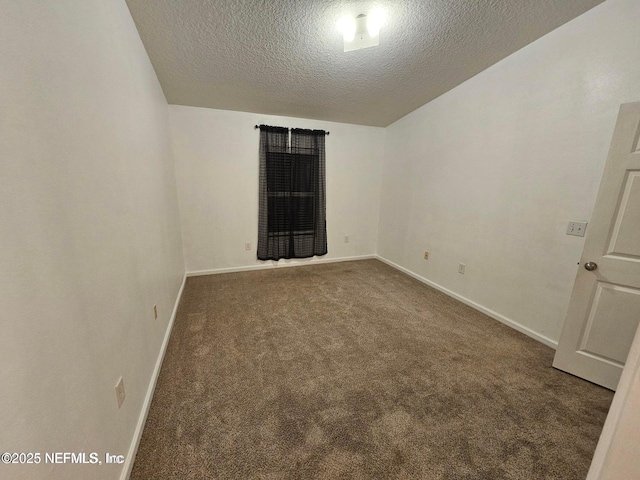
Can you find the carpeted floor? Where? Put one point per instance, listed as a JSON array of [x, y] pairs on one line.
[[356, 371]]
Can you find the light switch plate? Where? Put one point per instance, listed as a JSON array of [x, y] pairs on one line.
[[577, 228]]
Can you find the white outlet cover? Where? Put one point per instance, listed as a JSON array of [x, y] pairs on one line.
[[461, 268], [120, 395]]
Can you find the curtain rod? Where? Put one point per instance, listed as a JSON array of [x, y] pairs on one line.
[[258, 126]]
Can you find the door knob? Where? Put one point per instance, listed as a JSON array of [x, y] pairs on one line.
[[591, 266]]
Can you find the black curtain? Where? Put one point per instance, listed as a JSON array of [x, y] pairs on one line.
[[292, 213]]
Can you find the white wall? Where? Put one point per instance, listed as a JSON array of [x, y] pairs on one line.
[[216, 153], [490, 173], [89, 230]]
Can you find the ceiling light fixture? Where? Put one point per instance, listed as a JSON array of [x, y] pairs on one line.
[[347, 26], [362, 31], [375, 19]]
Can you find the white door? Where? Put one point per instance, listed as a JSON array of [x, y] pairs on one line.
[[604, 311]]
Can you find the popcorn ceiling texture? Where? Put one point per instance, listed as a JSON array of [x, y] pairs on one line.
[[284, 57]]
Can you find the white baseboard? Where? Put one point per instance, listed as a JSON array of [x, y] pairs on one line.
[[137, 434], [280, 264], [495, 315]]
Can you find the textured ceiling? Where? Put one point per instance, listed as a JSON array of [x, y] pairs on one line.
[[285, 57]]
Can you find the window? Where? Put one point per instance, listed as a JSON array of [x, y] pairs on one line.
[[292, 218], [291, 194]]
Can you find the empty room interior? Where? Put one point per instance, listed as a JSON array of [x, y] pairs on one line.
[[326, 239]]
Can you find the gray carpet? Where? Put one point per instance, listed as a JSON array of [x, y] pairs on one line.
[[354, 370]]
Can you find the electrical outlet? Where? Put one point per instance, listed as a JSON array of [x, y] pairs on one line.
[[426, 255], [120, 392], [155, 312], [461, 268], [247, 246], [577, 228], [346, 239]]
